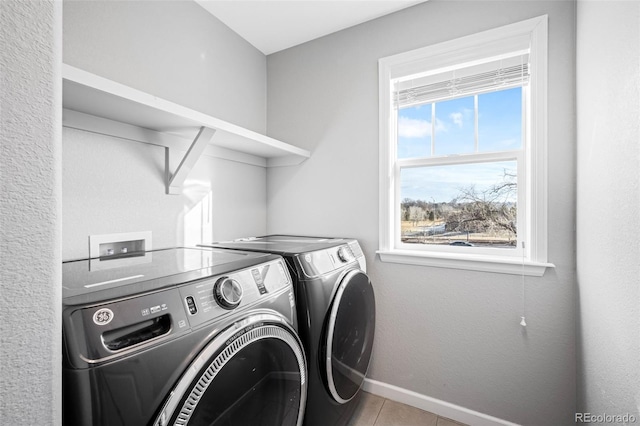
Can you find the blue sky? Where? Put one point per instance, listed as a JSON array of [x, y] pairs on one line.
[[443, 183], [499, 128]]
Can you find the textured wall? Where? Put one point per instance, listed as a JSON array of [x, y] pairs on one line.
[[449, 334], [608, 95], [30, 351], [177, 51]]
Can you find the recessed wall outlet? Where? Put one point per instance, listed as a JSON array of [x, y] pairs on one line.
[[111, 246], [123, 248]]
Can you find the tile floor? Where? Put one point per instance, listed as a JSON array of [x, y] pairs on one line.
[[374, 410]]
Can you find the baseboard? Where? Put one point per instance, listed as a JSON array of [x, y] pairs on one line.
[[436, 406]]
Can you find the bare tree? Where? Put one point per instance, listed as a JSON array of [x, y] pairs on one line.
[[416, 214], [486, 210]]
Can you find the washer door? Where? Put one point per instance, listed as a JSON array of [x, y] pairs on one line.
[[254, 374], [349, 339]]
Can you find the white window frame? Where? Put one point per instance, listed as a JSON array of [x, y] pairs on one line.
[[530, 260]]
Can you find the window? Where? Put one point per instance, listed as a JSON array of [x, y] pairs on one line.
[[463, 152]]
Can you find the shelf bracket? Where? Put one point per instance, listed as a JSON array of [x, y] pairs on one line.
[[174, 182]]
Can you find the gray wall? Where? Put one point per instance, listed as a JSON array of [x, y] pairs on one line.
[[608, 98], [179, 52], [448, 334], [30, 305]]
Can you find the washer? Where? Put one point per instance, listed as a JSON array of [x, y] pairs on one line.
[[336, 313], [184, 336]]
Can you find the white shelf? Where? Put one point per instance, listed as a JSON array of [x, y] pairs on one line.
[[96, 104]]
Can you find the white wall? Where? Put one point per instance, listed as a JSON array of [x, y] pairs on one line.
[[112, 185], [608, 199], [30, 302], [448, 334], [179, 52], [172, 49]]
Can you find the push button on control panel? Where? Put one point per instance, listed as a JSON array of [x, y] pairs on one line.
[[191, 305], [259, 280]]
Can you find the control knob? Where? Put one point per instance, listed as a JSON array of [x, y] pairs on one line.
[[344, 254], [227, 292]]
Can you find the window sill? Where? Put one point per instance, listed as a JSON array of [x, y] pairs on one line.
[[481, 263]]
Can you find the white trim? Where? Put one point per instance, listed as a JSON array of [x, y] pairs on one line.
[[492, 42], [433, 405], [478, 262], [386, 167], [531, 33], [538, 135], [470, 158]]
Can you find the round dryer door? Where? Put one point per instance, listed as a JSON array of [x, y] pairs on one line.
[[252, 375], [350, 334]]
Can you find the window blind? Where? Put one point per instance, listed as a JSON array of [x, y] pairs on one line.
[[461, 82]]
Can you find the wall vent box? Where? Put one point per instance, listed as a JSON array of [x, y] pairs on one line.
[[121, 245]]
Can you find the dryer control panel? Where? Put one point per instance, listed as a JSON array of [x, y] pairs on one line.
[[320, 262]]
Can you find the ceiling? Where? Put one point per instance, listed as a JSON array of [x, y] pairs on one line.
[[274, 25]]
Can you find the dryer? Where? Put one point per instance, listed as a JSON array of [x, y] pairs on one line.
[[182, 336], [336, 314]]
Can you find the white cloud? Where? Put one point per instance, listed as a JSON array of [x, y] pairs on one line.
[[456, 117], [440, 126], [413, 128]]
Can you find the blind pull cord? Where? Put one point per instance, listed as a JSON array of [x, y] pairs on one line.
[[523, 322]]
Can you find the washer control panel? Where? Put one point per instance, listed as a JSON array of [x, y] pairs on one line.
[[210, 298], [102, 332], [99, 333]]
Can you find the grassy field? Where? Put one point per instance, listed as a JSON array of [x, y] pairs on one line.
[[494, 239]]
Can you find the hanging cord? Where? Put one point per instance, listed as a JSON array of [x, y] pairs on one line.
[[522, 320]]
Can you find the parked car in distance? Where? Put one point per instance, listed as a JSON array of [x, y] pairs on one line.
[[460, 243]]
